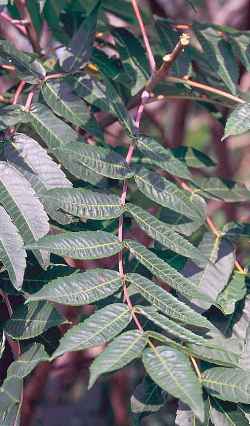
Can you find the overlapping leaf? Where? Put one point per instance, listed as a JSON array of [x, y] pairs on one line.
[[81, 45], [221, 189], [80, 245], [28, 68], [167, 194], [164, 271], [172, 371], [235, 290], [213, 277], [50, 128], [24, 208], [80, 288], [84, 203], [100, 160], [124, 349], [99, 328], [218, 54], [162, 157], [163, 233], [165, 301], [147, 399], [58, 95], [32, 319]]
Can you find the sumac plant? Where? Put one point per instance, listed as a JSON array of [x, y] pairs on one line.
[[122, 226]]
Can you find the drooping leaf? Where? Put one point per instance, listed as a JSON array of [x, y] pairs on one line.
[[58, 95], [81, 45], [165, 301], [133, 58], [223, 354], [10, 393], [84, 203], [80, 245], [12, 253], [240, 44], [167, 194], [80, 288], [124, 349], [162, 157], [221, 189], [28, 68], [99, 328], [31, 320], [238, 121], [24, 208], [100, 160], [228, 384], [53, 131], [163, 233], [235, 290], [147, 398], [172, 371], [171, 327], [213, 277], [218, 54], [164, 271]]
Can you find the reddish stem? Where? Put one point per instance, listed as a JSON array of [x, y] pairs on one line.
[[18, 92], [150, 55]]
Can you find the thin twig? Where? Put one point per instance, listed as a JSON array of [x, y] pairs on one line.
[[18, 92], [150, 55], [31, 32], [196, 368], [206, 88]]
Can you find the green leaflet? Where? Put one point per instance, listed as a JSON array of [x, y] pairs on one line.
[[32, 319], [147, 398], [218, 54], [80, 288], [221, 189], [193, 157], [24, 208], [172, 371], [228, 384], [103, 95], [222, 354], [27, 361], [238, 121], [81, 45], [172, 328], [54, 132], [162, 157], [167, 194], [99, 328], [39, 169], [133, 58], [164, 233], [214, 275], [11, 115], [235, 290], [100, 160], [28, 68], [84, 203], [164, 301], [12, 253], [80, 245], [58, 95], [124, 349], [164, 271], [226, 414]]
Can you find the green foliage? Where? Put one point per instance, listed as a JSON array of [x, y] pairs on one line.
[[161, 293]]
